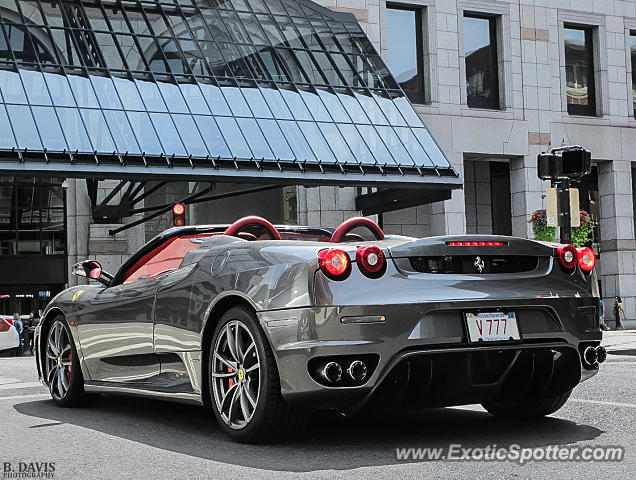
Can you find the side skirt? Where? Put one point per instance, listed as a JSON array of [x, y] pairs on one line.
[[104, 387]]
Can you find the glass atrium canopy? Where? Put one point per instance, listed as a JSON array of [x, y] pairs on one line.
[[264, 90]]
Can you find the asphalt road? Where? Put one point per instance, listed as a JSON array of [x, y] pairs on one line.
[[121, 437]]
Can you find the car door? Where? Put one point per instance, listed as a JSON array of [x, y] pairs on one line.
[[116, 332]]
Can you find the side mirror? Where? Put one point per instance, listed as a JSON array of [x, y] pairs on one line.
[[93, 270]]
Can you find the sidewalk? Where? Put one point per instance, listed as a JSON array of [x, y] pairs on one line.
[[621, 340]]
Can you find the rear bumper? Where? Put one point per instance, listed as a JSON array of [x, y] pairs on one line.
[[417, 338]]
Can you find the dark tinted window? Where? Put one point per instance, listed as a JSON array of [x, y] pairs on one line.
[[632, 40], [579, 71], [480, 50], [404, 56]]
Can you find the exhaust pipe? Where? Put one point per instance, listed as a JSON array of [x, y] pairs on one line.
[[357, 370], [590, 356], [601, 354], [332, 372]]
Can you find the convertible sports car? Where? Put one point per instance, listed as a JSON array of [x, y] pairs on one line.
[[266, 324]]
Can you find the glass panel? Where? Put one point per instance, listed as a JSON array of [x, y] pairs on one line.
[[353, 108], [25, 131], [6, 134], [297, 141], [480, 52], [419, 155], [151, 96], [194, 98], [212, 137], [73, 127], [190, 135], [35, 87], [403, 48], [390, 110], [50, 130], [407, 111], [235, 100], [233, 137], [128, 94], [296, 105], [360, 151], [256, 102], [255, 138], [276, 104], [60, 90], [431, 147], [100, 136], [337, 143], [375, 144], [333, 105], [173, 97], [122, 132], [398, 152], [106, 92], [579, 71], [215, 99], [316, 107], [318, 144], [145, 133], [276, 140], [167, 132], [83, 91], [11, 87]]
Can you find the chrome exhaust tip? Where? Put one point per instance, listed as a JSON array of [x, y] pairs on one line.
[[357, 370], [332, 372], [590, 356], [601, 354]]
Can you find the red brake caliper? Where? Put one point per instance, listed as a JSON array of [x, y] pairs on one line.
[[230, 382], [68, 371]]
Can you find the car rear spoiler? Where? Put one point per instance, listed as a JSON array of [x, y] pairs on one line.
[[471, 244]]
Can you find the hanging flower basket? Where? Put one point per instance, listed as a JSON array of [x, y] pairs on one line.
[[583, 235], [540, 229]]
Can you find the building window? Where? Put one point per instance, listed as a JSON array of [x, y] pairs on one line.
[[480, 52], [632, 47], [579, 70], [405, 56]]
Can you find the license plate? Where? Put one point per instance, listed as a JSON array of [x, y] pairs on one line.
[[492, 327]]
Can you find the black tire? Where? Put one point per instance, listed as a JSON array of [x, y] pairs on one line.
[[74, 395], [271, 418], [527, 408]]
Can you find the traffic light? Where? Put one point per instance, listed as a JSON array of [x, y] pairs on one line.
[[178, 215]]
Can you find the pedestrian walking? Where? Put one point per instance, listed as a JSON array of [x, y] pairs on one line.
[[19, 326], [619, 313]]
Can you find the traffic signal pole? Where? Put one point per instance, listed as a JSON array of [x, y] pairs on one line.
[[564, 211]]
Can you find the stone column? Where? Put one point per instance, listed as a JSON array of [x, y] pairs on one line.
[[618, 247], [449, 217], [526, 191]]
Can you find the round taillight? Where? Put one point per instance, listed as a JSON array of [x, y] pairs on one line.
[[178, 209], [568, 257], [587, 258], [371, 261], [334, 263]]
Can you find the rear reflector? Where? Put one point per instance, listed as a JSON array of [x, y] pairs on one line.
[[334, 263], [476, 244], [587, 258]]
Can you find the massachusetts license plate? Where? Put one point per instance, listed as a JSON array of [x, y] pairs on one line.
[[492, 326]]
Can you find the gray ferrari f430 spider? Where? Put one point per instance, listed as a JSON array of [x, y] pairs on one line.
[[265, 324]]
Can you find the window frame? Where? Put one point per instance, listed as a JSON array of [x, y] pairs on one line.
[[591, 109], [415, 96], [631, 52], [495, 61]]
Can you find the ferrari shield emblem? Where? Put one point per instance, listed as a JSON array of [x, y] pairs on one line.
[[77, 294]]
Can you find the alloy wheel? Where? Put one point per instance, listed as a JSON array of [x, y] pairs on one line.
[[59, 360], [235, 374]]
